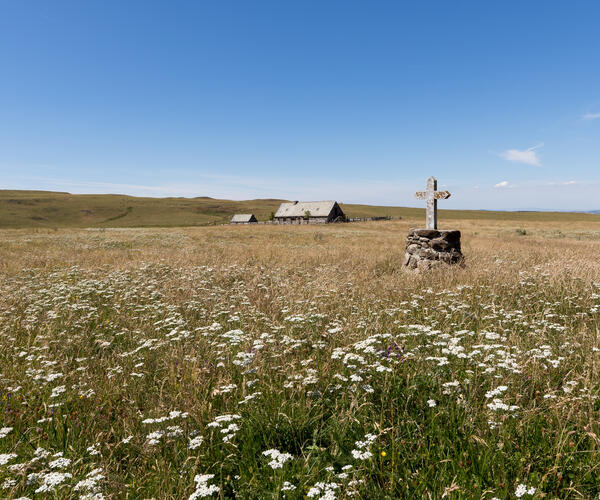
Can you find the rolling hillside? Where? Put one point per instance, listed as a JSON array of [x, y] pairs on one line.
[[46, 209]]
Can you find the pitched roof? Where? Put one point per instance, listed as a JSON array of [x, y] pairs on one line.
[[243, 218], [299, 208]]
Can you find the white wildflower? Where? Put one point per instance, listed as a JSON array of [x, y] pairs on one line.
[[277, 458], [90, 483], [41, 453], [93, 450], [51, 480], [9, 483], [195, 442], [287, 486], [523, 490], [60, 463], [203, 489], [361, 455], [154, 437], [7, 457], [58, 391], [496, 392]]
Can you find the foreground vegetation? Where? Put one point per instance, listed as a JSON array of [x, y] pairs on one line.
[[294, 362], [45, 209]]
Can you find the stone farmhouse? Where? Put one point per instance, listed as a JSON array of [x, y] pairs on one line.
[[243, 219], [309, 212]]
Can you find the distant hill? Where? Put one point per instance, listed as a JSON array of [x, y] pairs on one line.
[[26, 209]]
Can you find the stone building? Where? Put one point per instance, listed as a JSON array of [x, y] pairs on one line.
[[309, 212], [243, 219]]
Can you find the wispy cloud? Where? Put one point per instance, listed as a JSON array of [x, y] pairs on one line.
[[562, 183], [539, 184], [528, 156], [590, 116]]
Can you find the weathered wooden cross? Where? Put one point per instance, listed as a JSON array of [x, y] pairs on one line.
[[432, 196]]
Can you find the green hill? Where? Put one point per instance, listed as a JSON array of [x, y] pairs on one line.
[[26, 209]]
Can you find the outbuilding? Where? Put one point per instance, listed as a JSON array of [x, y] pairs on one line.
[[243, 219], [309, 212]]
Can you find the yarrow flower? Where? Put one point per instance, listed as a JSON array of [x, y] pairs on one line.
[[277, 458], [496, 392], [327, 489], [154, 437], [7, 457], [60, 463], [93, 450], [9, 483], [230, 430], [195, 442], [203, 489], [360, 453], [58, 391], [90, 483], [51, 480], [5, 431], [523, 490], [41, 453], [287, 486], [172, 415]]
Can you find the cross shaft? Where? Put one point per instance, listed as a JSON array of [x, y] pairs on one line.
[[431, 195]]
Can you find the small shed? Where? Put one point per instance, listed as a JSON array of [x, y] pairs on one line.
[[309, 212], [243, 219]]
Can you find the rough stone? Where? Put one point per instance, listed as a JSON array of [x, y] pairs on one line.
[[411, 248], [428, 248], [427, 254], [440, 244], [426, 233]]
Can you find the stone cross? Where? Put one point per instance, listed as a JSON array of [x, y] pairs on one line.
[[432, 196]]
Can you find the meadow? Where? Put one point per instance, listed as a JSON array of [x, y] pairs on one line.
[[53, 210], [300, 362]]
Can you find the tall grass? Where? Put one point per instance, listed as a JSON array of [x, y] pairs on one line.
[[276, 362]]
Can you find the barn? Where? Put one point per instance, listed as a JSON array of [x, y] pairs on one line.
[[309, 212], [243, 219]]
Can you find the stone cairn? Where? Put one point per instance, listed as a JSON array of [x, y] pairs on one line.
[[427, 248], [430, 247]]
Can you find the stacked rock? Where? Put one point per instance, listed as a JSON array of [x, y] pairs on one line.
[[427, 248]]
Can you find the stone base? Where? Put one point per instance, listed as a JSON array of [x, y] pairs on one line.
[[428, 248]]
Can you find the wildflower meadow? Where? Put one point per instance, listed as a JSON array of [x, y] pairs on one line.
[[299, 362]]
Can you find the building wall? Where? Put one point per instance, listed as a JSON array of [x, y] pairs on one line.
[[301, 220]]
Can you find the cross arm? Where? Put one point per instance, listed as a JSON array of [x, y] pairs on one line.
[[441, 195], [421, 195]]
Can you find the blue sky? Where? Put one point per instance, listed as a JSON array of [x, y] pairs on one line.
[[354, 101]]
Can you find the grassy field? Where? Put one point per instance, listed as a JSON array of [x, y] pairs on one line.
[[44, 209], [300, 362]]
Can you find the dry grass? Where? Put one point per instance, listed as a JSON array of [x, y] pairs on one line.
[[45, 209], [136, 323], [361, 247]]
